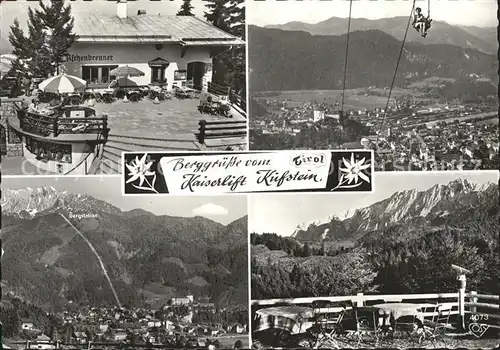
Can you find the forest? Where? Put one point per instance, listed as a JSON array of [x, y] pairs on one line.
[[282, 267]]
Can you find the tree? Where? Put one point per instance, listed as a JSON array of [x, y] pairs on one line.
[[186, 9], [229, 66], [32, 56], [306, 252], [49, 37]]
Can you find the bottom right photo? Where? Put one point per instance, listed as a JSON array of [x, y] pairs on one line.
[[414, 264]]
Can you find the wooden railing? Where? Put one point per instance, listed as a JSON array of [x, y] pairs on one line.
[[238, 101], [448, 299], [235, 99], [220, 129], [480, 312], [218, 90], [45, 125], [37, 124]]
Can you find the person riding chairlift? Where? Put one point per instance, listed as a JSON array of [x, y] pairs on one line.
[[420, 22]]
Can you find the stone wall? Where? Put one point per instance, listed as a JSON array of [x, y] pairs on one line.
[[11, 142]]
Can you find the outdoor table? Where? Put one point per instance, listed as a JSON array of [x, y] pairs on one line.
[[397, 310], [295, 319], [134, 95]]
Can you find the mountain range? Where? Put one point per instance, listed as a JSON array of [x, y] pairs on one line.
[[149, 258], [297, 60], [468, 37], [407, 212]]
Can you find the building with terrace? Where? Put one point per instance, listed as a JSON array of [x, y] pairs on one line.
[[170, 50]]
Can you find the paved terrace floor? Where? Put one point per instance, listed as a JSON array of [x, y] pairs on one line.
[[170, 119]]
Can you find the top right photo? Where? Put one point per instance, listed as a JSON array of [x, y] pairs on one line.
[[415, 80]]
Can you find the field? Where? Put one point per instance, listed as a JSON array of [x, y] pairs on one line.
[[354, 98], [492, 120]]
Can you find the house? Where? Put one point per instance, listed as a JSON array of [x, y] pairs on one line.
[[238, 328], [120, 336], [80, 337], [179, 301], [42, 342], [168, 49], [27, 324]]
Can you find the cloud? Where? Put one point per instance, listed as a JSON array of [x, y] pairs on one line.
[[210, 209]]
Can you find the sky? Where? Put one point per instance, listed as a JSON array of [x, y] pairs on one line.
[[224, 209], [480, 13], [12, 9], [280, 214]]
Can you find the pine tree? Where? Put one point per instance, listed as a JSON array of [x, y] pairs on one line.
[[58, 23], [229, 67], [186, 9], [40, 52]]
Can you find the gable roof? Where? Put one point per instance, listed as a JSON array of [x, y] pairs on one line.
[[186, 30], [43, 337]]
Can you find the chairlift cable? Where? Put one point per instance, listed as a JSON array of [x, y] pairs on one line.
[[395, 72], [346, 56]]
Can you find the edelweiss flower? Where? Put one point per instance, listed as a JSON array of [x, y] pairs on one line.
[[354, 170], [139, 169]]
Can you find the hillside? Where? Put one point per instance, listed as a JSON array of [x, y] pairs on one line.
[[149, 258], [402, 244], [482, 39], [296, 60]]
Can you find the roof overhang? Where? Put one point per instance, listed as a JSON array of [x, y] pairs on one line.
[[212, 42], [142, 39]]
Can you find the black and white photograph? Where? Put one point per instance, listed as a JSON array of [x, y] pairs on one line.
[[248, 172], [82, 268], [412, 265], [415, 80], [83, 81]]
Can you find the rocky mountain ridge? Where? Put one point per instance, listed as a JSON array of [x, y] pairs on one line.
[[439, 204]]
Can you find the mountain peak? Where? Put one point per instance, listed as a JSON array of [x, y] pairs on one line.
[[35, 200], [405, 207]]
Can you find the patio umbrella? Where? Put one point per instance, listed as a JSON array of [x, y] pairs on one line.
[[4, 68], [126, 71], [63, 83], [6, 63]]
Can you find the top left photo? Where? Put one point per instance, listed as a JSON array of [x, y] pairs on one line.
[[82, 82]]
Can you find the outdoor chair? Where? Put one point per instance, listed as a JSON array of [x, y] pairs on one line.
[[208, 106], [134, 96], [108, 98], [327, 323], [439, 323], [411, 326], [75, 99], [367, 323]]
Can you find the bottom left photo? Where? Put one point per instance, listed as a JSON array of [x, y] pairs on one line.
[[85, 267]]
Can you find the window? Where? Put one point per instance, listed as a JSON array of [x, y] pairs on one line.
[[158, 74], [180, 75], [98, 74], [46, 151]]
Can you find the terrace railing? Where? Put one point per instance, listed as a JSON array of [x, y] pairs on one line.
[[472, 311], [234, 98], [220, 129], [45, 125]]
